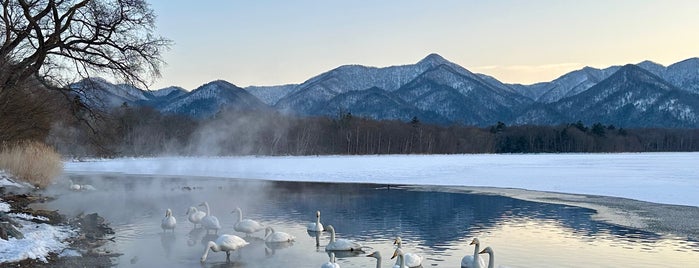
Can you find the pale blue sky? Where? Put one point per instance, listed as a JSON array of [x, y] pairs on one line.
[[279, 42]]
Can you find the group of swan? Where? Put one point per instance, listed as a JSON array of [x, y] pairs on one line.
[[475, 260], [81, 187]]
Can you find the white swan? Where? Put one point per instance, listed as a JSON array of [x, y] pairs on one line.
[[376, 255], [169, 221], [81, 187], [209, 222], [340, 244], [401, 259], [194, 215], [474, 261], [411, 259], [491, 260], [331, 263], [225, 243], [316, 226], [246, 226], [277, 237]]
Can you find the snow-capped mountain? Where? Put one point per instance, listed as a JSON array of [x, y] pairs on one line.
[[210, 98], [438, 91], [633, 97]]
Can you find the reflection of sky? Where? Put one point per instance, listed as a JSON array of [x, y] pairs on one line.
[[437, 225]]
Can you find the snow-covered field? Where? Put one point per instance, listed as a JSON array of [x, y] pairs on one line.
[[670, 178]]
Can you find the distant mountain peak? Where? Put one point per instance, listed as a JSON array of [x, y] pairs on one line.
[[433, 59]]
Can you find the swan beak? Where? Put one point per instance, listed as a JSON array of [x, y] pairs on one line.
[[482, 251], [473, 242], [394, 255], [370, 255]]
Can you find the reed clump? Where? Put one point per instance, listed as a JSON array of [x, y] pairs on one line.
[[31, 161]]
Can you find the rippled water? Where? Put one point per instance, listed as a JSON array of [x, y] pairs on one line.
[[437, 225]]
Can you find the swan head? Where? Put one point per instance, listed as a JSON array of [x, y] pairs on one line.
[[191, 210], [398, 241], [203, 204], [486, 250], [237, 210], [475, 241], [375, 254], [268, 230], [396, 253], [168, 213], [330, 228], [317, 213]]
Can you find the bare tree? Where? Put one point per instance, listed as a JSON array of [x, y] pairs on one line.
[[52, 43], [54, 39]]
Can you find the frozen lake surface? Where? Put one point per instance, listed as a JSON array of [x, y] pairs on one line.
[[669, 178], [437, 225]]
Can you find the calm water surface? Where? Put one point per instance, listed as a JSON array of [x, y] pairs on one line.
[[436, 225]]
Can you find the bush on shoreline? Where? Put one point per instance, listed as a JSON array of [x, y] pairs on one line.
[[31, 161]]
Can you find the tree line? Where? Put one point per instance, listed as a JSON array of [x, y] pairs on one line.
[[142, 131]]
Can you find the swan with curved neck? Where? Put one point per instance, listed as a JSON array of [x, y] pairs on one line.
[[169, 221], [410, 259], [316, 226], [473, 261], [246, 226], [194, 215], [491, 254], [340, 244], [277, 237], [209, 222], [377, 255], [401, 260], [331, 263], [225, 243]]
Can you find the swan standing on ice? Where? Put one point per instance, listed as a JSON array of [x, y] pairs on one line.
[[246, 226], [169, 221], [377, 255], [491, 260], [331, 263], [209, 222], [277, 237], [340, 244], [225, 243], [474, 261], [194, 215], [316, 226], [411, 259]]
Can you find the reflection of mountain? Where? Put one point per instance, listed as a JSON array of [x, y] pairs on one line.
[[363, 212]]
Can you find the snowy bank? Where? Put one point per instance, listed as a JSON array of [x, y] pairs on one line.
[[669, 178], [40, 239]]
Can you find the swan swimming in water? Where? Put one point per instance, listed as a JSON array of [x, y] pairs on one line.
[[474, 261], [316, 226], [246, 226], [225, 243], [81, 187], [209, 222], [277, 237], [340, 244], [411, 259], [194, 215], [169, 221], [377, 255], [401, 259], [491, 254], [331, 263]]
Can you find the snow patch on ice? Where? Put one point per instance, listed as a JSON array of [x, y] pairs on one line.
[[39, 241], [28, 217]]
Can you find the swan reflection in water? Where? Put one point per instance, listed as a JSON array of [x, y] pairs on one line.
[[195, 235], [167, 241], [272, 247]]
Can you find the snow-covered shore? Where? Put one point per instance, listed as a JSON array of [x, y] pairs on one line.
[[668, 178]]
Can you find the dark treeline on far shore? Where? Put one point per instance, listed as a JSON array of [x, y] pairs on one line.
[[137, 131]]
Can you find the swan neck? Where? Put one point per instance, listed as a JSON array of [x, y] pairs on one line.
[[491, 260], [240, 214], [332, 235], [378, 262], [476, 250]]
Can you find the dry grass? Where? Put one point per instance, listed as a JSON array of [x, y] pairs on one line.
[[31, 161]]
